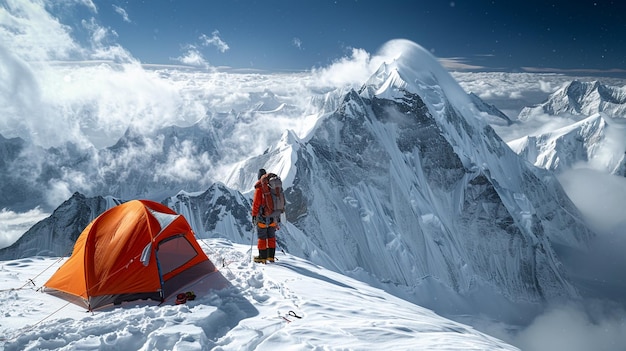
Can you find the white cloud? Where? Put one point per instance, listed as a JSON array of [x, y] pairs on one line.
[[535, 125], [98, 33], [352, 71], [599, 196], [129, 158], [458, 64], [572, 328], [122, 13], [575, 71], [30, 33], [13, 224], [103, 45], [58, 191], [87, 3], [184, 164], [297, 43], [546, 86], [214, 40], [193, 57]]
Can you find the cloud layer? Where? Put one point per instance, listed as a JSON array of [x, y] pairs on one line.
[[13, 225]]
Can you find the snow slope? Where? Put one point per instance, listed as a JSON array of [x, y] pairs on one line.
[[244, 306]]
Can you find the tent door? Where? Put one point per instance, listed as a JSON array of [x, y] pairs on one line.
[[174, 252], [171, 254]]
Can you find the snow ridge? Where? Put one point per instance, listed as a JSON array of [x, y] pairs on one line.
[[56, 235], [243, 306]]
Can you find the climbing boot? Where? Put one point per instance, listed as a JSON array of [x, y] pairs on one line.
[[270, 254], [258, 259], [262, 257]]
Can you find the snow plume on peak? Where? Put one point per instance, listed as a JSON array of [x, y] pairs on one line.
[[410, 67], [415, 70]]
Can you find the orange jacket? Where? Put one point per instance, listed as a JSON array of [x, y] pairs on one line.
[[257, 202]]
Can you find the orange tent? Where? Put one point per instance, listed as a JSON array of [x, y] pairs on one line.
[[138, 250]]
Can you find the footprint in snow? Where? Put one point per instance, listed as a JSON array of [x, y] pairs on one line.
[[256, 281]]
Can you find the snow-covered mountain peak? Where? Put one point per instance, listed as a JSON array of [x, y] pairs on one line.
[[392, 83], [580, 99], [283, 162], [287, 139], [404, 166], [597, 137], [412, 68], [279, 159]]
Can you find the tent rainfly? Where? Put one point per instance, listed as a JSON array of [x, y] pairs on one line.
[[137, 250]]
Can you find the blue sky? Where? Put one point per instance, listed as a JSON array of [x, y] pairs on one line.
[[301, 34]]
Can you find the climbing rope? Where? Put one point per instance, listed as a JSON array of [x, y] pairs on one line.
[[31, 327], [28, 328], [289, 314]]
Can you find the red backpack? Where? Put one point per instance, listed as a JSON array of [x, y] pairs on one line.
[[273, 197]]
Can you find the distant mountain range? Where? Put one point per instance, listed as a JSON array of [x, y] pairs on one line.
[[150, 165], [582, 99], [597, 139]]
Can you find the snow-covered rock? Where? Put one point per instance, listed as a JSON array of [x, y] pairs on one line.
[[217, 212], [597, 138]]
